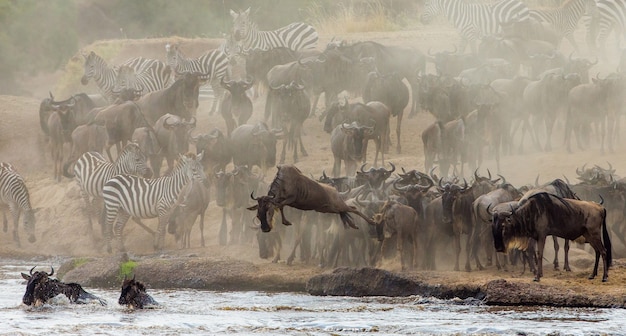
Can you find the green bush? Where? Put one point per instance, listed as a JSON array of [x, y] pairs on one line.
[[127, 269]]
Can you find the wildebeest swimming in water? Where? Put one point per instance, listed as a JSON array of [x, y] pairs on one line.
[[41, 287], [134, 295]]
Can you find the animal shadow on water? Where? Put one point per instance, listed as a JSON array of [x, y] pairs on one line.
[[134, 295]]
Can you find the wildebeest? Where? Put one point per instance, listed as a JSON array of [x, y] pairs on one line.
[[173, 135], [120, 122], [192, 202], [402, 221], [544, 214], [134, 295], [216, 148], [291, 188], [389, 90], [40, 288], [346, 143], [254, 145], [180, 98], [60, 125], [289, 106], [236, 103]]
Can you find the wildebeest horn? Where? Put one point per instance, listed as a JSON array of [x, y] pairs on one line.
[[489, 211], [503, 179], [476, 177], [601, 199], [537, 181], [324, 174], [488, 174], [566, 179], [51, 96], [393, 167], [395, 186], [439, 183], [363, 166], [403, 171], [610, 166], [252, 196], [51, 273], [31, 270], [432, 175]]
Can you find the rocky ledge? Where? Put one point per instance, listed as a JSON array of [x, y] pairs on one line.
[[224, 274]]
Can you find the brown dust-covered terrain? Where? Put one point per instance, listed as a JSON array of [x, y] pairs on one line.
[[61, 228]]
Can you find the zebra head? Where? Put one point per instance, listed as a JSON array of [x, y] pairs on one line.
[[432, 8], [241, 24], [135, 160], [92, 63], [193, 169], [172, 56]]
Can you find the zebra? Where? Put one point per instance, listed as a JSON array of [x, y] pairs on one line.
[[295, 36], [212, 64], [14, 196], [153, 77], [128, 195], [91, 171], [105, 76], [564, 19], [608, 15], [475, 21]]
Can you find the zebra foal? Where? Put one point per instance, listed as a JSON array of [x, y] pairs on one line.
[[14, 197], [128, 195]]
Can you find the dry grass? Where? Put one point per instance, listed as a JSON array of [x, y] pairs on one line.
[[346, 18]]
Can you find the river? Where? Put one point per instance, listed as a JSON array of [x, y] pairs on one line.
[[192, 312]]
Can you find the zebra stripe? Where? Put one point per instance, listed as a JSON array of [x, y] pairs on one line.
[[14, 196], [295, 36], [564, 19], [105, 76], [128, 195], [91, 171], [212, 64], [609, 15], [475, 21], [153, 76]]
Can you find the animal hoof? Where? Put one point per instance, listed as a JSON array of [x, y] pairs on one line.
[[605, 279], [536, 279]]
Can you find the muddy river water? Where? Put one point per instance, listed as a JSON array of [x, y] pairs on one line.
[[191, 312]]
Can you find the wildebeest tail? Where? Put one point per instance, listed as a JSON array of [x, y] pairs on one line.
[[606, 240], [347, 220]]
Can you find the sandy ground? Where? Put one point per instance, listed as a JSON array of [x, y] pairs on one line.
[[61, 224]]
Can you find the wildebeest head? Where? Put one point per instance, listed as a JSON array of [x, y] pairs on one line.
[[265, 211], [449, 193], [237, 88], [355, 135], [134, 294], [375, 177], [39, 288], [180, 136], [264, 144], [504, 237], [186, 91]]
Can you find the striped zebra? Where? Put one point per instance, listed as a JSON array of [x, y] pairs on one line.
[[14, 197], [105, 76], [475, 21], [213, 65], [295, 36], [128, 195], [156, 76], [608, 15], [564, 19], [91, 171]]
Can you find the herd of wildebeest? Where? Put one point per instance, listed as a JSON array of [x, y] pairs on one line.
[[147, 110]]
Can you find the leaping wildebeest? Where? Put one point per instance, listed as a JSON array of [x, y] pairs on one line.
[[544, 214], [291, 188]]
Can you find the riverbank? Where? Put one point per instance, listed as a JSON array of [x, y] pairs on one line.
[[491, 287]]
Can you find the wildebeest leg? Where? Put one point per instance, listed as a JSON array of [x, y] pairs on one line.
[[282, 153], [296, 243], [556, 253], [457, 250], [285, 221], [202, 228], [223, 232], [566, 262], [398, 130], [143, 226], [549, 122], [541, 243]]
